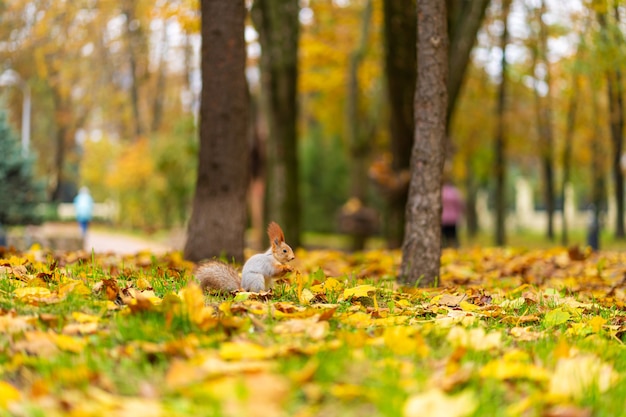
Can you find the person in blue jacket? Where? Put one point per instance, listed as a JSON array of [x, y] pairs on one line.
[[83, 204]]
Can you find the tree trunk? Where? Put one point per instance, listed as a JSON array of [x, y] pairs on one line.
[[159, 89], [421, 250], [278, 26], [133, 39], [218, 218], [543, 109], [616, 110], [598, 186], [400, 25], [357, 128], [568, 144], [471, 188], [464, 20], [499, 151]]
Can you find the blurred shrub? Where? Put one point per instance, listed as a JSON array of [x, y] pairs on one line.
[[324, 181], [151, 179], [20, 192]]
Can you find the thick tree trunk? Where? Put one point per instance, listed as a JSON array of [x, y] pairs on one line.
[[421, 250], [278, 26], [218, 218], [499, 150]]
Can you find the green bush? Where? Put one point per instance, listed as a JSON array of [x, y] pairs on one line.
[[20, 192]]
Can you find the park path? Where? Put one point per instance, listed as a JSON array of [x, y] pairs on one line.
[[107, 241]]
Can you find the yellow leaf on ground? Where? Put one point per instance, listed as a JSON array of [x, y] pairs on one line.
[[475, 338], [573, 377], [331, 285], [68, 343], [465, 306], [11, 324], [434, 402], [8, 394], [403, 340], [596, 323], [511, 369], [244, 350], [31, 292], [359, 291], [85, 318]]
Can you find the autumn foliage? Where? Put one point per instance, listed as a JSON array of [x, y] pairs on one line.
[[508, 333]]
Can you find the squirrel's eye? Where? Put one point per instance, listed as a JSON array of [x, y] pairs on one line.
[[284, 250]]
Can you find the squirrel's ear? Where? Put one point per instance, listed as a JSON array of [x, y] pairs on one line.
[[275, 233]]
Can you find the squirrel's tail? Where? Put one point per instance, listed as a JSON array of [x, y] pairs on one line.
[[217, 275]]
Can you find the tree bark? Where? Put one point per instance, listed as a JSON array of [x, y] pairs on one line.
[[598, 186], [566, 158], [543, 109], [278, 26], [616, 111], [218, 218], [357, 128], [400, 26], [499, 145], [464, 20], [134, 42], [421, 250]]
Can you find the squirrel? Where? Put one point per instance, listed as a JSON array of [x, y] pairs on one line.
[[257, 272]]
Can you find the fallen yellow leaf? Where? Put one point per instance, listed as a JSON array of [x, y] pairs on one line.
[[573, 376], [359, 291], [434, 402], [8, 394]]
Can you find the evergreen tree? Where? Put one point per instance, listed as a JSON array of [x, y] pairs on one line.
[[20, 193]]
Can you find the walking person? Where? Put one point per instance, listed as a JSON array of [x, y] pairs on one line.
[[451, 213], [83, 204]]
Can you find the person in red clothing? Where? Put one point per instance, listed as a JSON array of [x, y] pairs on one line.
[[452, 211]]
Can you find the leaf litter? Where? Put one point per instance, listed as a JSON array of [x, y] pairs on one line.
[[509, 332]]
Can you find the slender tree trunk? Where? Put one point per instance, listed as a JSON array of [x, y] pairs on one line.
[[616, 121], [543, 109], [499, 150], [598, 186], [133, 39], [464, 20], [278, 26], [159, 90], [471, 188], [400, 25], [568, 144], [616, 109], [357, 130], [218, 219], [421, 250]]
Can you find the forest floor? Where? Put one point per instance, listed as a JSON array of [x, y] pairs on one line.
[[123, 330]]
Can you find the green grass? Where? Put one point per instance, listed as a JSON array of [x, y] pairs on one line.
[[183, 357]]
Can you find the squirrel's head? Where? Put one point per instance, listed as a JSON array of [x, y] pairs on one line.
[[282, 251]]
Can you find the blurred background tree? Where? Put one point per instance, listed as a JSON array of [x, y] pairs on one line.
[[20, 192], [116, 91]]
